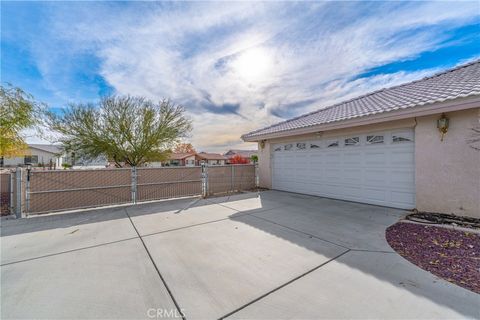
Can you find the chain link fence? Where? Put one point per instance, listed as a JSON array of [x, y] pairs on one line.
[[56, 190], [5, 193], [34, 192], [163, 183], [231, 178]]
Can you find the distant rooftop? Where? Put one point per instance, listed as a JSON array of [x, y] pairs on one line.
[[211, 156], [243, 153], [52, 148], [179, 156]]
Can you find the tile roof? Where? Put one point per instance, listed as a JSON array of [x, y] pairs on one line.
[[179, 156], [211, 156], [462, 81]]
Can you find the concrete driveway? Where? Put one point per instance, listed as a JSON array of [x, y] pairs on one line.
[[272, 255]]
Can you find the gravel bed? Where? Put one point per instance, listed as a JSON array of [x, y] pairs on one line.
[[453, 255]]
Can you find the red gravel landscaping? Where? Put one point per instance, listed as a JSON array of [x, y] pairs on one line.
[[453, 255]]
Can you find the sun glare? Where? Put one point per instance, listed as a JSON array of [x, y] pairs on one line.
[[253, 64]]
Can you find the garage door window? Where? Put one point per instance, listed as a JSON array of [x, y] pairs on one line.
[[374, 139], [314, 145], [288, 147], [277, 149], [301, 146], [332, 144], [399, 137], [353, 141]]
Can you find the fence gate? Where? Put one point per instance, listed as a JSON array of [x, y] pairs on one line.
[[168, 182], [230, 178], [57, 190]]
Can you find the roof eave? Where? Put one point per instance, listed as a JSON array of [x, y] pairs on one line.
[[58, 153], [417, 111]]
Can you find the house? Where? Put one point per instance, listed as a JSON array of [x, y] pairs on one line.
[[211, 159], [247, 154], [81, 162], [408, 146], [181, 159], [194, 159], [37, 155]]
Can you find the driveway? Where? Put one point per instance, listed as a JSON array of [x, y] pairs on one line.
[[272, 255]]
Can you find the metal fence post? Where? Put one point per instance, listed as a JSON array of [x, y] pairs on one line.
[[257, 178], [27, 189], [18, 180], [134, 185], [204, 180], [10, 201], [232, 180]]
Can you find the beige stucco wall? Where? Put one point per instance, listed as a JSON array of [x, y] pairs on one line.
[[448, 173], [264, 165]]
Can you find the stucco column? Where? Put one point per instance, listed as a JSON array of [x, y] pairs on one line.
[[264, 165]]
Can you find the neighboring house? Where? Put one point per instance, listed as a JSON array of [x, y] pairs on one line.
[[192, 159], [385, 147], [247, 154], [46, 155], [90, 163], [212, 159], [181, 159]]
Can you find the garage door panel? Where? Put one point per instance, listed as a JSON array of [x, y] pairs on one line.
[[316, 159], [402, 158], [353, 159], [316, 175], [400, 197], [352, 176], [333, 175], [352, 192], [382, 174], [402, 178], [302, 161], [376, 158], [333, 159], [331, 190], [375, 194], [375, 178]]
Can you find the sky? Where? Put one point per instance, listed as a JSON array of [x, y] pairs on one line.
[[234, 66]]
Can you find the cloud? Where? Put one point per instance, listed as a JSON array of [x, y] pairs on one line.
[[239, 66]]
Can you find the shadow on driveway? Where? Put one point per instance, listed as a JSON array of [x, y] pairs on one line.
[[266, 255]]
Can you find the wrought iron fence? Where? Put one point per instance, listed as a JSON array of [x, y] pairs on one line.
[[58, 190]]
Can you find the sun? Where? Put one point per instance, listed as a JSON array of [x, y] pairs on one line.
[[253, 64]]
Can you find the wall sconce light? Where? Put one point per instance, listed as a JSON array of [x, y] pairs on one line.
[[262, 144], [442, 125]]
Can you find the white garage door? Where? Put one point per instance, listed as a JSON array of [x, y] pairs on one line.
[[376, 168]]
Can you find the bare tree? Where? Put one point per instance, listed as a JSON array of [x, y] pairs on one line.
[[127, 130], [184, 148]]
